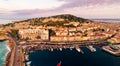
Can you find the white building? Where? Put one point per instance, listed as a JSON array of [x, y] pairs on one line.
[[34, 34]]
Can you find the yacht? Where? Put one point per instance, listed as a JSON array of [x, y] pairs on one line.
[[91, 48], [79, 50]]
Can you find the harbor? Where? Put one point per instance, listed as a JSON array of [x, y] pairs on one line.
[[72, 57]]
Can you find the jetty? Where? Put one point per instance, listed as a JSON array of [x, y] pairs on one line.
[[112, 50]]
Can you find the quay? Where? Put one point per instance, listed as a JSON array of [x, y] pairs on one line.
[[112, 50], [43, 45]]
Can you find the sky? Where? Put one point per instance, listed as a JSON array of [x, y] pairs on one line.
[[22, 9]]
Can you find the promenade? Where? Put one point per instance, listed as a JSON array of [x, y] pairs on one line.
[[15, 56]]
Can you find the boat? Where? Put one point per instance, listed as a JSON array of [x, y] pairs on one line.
[[51, 49], [79, 50], [60, 49], [59, 64], [71, 48], [28, 63], [91, 48]]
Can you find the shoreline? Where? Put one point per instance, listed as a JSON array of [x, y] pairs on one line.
[[7, 55], [8, 48]]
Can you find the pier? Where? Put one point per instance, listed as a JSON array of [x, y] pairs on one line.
[[115, 52], [43, 45]]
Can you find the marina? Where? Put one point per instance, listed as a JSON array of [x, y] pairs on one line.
[[72, 58]]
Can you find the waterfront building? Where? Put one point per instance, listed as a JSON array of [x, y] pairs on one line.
[[34, 34]]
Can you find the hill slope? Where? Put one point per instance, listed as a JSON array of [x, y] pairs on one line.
[[65, 20], [55, 20]]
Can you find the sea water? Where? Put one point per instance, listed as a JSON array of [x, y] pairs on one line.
[[3, 51], [73, 58]]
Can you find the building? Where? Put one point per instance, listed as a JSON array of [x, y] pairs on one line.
[[34, 34]]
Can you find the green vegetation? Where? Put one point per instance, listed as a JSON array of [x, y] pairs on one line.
[[98, 29], [14, 33], [71, 25], [70, 18], [53, 23], [52, 32], [27, 38], [9, 24], [67, 18], [38, 37]]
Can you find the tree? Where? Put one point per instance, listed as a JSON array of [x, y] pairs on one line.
[[27, 38], [14, 33], [52, 32], [38, 37]]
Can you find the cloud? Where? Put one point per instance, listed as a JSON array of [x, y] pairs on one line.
[[84, 8], [76, 3]]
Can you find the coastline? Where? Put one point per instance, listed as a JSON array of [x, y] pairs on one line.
[[7, 55]]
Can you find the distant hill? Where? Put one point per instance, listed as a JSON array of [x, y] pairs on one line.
[[65, 20], [55, 20]]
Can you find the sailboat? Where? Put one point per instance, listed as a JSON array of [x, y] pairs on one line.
[[59, 64]]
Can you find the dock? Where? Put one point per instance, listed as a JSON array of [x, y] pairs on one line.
[[115, 52]]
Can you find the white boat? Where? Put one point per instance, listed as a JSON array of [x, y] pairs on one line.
[[28, 63], [51, 49], [79, 50], [91, 48], [60, 49], [71, 48]]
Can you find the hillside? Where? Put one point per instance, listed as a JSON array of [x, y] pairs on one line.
[[64, 20], [55, 20]]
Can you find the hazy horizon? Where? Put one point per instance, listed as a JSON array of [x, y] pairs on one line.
[[5, 21], [21, 9]]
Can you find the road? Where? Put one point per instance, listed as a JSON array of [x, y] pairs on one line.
[[16, 59]]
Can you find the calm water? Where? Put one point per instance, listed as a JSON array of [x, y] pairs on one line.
[[73, 58], [3, 51]]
